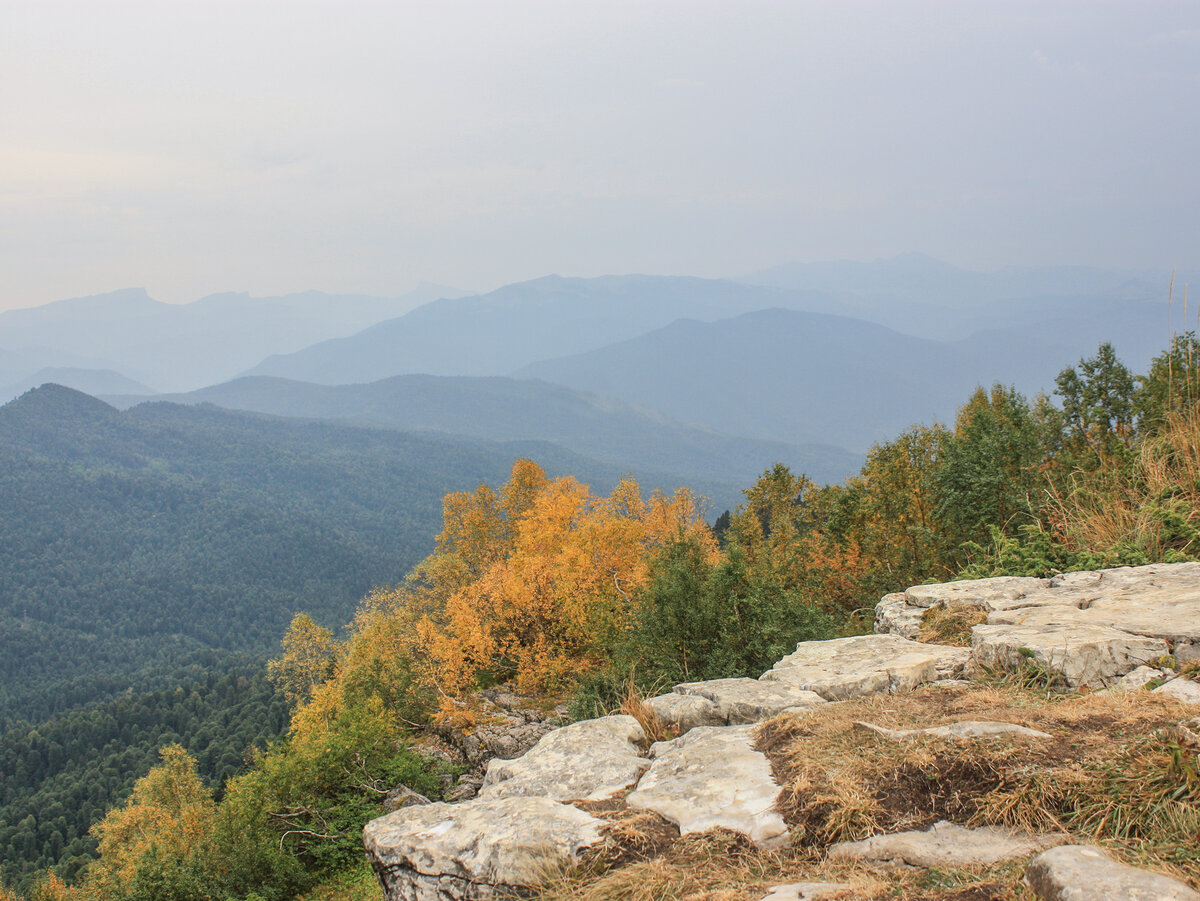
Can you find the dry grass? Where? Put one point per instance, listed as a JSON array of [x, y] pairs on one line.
[[1114, 770], [1117, 771], [951, 624], [634, 704], [1153, 505]]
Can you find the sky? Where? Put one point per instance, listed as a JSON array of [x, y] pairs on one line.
[[270, 147]]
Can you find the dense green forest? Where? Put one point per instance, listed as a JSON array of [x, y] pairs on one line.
[[586, 597], [57, 780]]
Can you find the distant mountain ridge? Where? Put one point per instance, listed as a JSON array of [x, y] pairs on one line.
[[513, 326], [186, 346], [502, 409], [794, 376]]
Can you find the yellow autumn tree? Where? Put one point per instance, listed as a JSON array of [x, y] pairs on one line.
[[158, 836], [308, 655], [538, 579]]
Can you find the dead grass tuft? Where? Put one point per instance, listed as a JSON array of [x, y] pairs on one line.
[[634, 704], [951, 624]]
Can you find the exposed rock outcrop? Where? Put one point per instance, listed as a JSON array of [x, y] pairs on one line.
[[1089, 628], [1115, 629]]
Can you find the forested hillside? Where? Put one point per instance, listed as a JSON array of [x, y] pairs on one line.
[[130, 540], [523, 409], [60, 778]]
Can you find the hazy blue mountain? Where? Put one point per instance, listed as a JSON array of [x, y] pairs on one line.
[[493, 334], [89, 381], [921, 296], [185, 346], [505, 409], [794, 376]]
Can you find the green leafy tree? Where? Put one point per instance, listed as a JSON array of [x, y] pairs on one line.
[[1098, 407]]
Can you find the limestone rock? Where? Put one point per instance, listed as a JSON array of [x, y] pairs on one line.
[[990, 594], [1183, 690], [1187, 652], [741, 701], [474, 850], [710, 777], [1082, 654], [1138, 678], [864, 665], [685, 712], [402, 796], [895, 616], [589, 760], [945, 845], [964, 729], [1083, 873], [805, 891]]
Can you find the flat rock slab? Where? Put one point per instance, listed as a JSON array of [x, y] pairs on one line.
[[742, 701], [685, 712], [589, 760], [711, 777], [990, 594], [1082, 654], [964, 729], [479, 849], [805, 891], [1083, 873], [945, 844], [866, 665]]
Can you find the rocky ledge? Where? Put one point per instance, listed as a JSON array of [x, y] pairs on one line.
[[1111, 630]]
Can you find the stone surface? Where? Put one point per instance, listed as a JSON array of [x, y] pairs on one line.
[[1138, 678], [1081, 654], [710, 777], [589, 760], [895, 616], [945, 844], [402, 796], [1187, 652], [964, 729], [742, 701], [990, 594], [1183, 690], [475, 850], [805, 891], [684, 712], [865, 665], [1083, 873]]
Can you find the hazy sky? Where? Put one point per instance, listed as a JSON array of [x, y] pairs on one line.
[[277, 146]]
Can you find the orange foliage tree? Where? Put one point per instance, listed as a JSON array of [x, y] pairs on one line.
[[536, 583]]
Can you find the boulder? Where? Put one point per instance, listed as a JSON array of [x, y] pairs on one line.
[[684, 712], [711, 777], [964, 729], [945, 845], [474, 850], [1081, 654], [1083, 873], [742, 701], [1183, 690], [864, 665], [1139, 678], [895, 616], [589, 760]]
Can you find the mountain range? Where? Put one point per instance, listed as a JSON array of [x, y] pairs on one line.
[[503, 409]]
